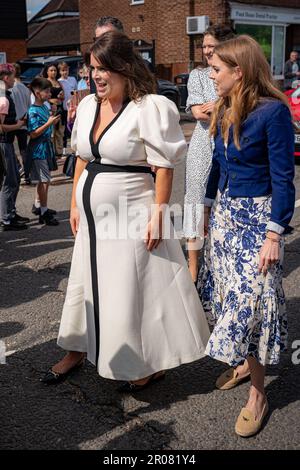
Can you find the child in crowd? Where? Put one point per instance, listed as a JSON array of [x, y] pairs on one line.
[[40, 148], [69, 85], [83, 83]]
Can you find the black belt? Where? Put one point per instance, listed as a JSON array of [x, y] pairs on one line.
[[98, 167]]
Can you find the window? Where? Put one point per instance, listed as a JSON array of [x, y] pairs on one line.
[[278, 50], [2, 58], [272, 40]]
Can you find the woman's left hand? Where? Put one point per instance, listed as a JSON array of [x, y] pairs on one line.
[[269, 253], [154, 231]]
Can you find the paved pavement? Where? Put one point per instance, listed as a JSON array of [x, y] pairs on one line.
[[183, 412]]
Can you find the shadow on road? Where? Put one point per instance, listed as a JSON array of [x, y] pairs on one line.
[[86, 407], [24, 276], [292, 255], [10, 328]]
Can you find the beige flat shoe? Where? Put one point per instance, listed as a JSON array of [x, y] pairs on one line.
[[246, 424], [229, 379]]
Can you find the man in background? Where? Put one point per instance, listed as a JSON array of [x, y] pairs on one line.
[[291, 70], [22, 98], [9, 124]]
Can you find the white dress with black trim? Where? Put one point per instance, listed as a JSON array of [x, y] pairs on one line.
[[133, 312]]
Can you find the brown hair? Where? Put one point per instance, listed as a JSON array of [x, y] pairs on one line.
[[39, 84], [256, 83], [47, 67], [17, 68], [221, 32], [115, 51]]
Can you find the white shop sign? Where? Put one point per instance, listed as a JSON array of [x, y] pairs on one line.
[[264, 15]]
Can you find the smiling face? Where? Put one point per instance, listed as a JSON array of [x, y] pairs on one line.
[[224, 77], [109, 85], [208, 46], [294, 56]]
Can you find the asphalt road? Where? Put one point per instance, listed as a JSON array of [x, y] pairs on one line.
[[183, 412]]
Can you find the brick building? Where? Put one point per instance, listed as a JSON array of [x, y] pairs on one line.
[[159, 28], [55, 29], [13, 31]]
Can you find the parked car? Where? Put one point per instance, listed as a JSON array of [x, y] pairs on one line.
[[169, 90], [294, 100], [33, 66], [181, 81]]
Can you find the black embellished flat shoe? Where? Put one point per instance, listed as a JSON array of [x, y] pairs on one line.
[[129, 387], [51, 377], [37, 210]]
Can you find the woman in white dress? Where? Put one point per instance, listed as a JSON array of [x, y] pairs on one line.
[[201, 100], [130, 304]]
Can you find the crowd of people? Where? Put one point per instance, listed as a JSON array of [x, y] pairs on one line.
[[133, 306], [36, 117]]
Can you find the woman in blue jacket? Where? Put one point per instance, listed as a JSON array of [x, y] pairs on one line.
[[249, 204]]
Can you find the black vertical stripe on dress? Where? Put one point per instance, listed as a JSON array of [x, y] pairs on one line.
[[86, 199]]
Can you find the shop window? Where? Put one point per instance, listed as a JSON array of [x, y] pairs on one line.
[[2, 57], [271, 39], [261, 33]]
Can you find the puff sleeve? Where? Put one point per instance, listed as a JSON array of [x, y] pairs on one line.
[[195, 90], [159, 128]]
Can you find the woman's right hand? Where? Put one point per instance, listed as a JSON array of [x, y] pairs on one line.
[[74, 220]]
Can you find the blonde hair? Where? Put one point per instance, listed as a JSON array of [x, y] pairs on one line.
[[63, 65], [256, 83]]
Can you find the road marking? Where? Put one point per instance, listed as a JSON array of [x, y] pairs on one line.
[[297, 203]]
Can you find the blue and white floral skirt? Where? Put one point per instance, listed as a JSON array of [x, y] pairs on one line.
[[245, 308]]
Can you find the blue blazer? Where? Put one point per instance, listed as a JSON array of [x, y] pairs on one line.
[[263, 166]]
